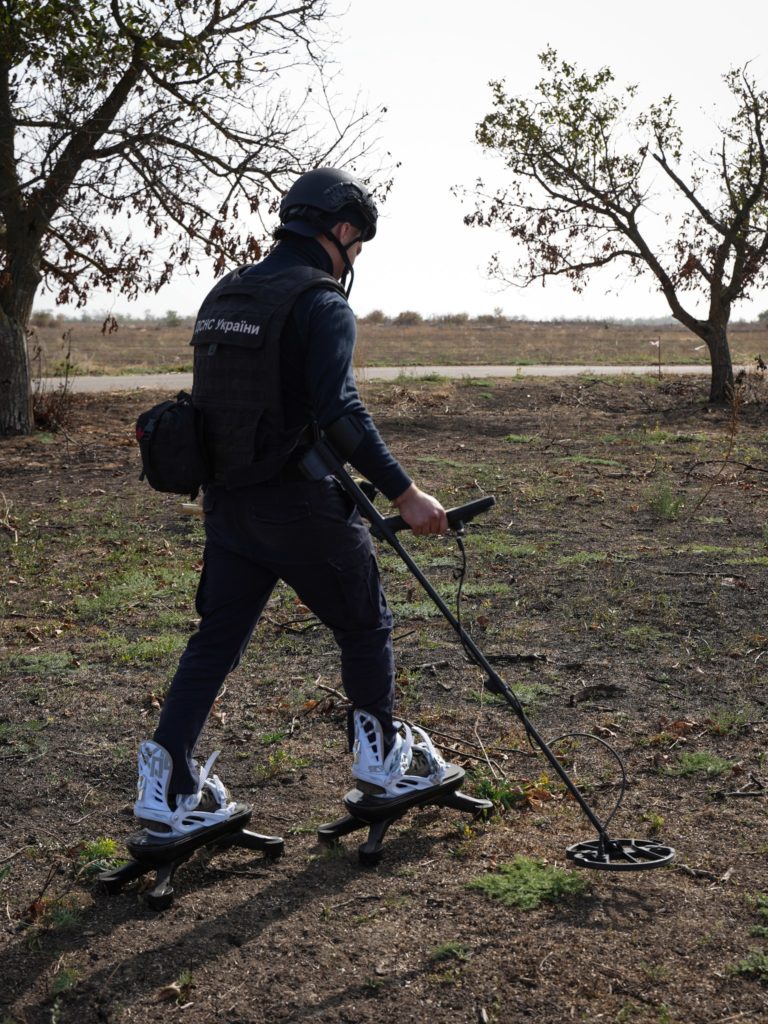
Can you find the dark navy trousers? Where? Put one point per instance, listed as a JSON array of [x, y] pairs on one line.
[[307, 533]]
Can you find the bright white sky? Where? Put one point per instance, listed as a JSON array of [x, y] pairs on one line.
[[430, 61]]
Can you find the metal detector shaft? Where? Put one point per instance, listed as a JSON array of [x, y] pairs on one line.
[[386, 528]]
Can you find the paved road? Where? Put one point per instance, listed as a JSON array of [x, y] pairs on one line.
[[183, 381]]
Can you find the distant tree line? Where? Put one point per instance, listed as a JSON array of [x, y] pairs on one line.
[[407, 318], [410, 318]]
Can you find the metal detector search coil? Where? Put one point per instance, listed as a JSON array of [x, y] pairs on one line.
[[620, 854]]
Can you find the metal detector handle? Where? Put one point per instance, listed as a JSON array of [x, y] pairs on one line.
[[456, 516]]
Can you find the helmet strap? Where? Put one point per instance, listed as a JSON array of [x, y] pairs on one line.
[[322, 228], [344, 253]]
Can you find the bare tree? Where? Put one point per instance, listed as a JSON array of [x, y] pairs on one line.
[[588, 176], [136, 135]]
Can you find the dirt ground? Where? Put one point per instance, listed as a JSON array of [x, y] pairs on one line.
[[619, 586]]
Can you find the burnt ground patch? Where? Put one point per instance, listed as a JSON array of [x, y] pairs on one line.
[[619, 585]]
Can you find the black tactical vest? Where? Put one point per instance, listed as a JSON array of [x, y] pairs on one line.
[[237, 382]]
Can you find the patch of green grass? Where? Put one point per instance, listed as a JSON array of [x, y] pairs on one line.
[[662, 503], [711, 549], [418, 607], [134, 587], [500, 545], [700, 762], [66, 918], [24, 737], [589, 460], [450, 951], [759, 904], [59, 913], [147, 649], [269, 738], [730, 723], [754, 965], [279, 763], [166, 619], [467, 836], [504, 795], [518, 795], [423, 609], [527, 883], [371, 984], [522, 551], [655, 822], [41, 663], [529, 694], [639, 638], [519, 438], [65, 979], [583, 558], [131, 588], [98, 855], [428, 378]]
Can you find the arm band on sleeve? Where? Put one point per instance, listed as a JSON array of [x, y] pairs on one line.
[[356, 440], [345, 435]]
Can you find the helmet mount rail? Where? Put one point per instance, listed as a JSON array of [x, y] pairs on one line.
[[604, 853]]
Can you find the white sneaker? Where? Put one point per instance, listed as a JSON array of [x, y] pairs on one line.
[[209, 805], [407, 768]]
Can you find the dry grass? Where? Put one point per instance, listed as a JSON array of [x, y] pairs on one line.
[[139, 346]]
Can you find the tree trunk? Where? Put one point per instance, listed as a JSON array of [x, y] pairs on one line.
[[16, 299], [15, 391], [721, 386]]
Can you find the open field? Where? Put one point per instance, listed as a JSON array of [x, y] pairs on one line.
[[620, 585], [137, 346]]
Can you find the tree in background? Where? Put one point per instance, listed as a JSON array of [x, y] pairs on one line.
[[585, 193], [138, 134]]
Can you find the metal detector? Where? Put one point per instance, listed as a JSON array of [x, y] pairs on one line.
[[603, 853]]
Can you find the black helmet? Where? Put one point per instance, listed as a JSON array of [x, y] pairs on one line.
[[319, 199]]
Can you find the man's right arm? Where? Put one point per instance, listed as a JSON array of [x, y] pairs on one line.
[[336, 402], [329, 325]]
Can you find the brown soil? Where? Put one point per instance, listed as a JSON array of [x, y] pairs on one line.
[[627, 551]]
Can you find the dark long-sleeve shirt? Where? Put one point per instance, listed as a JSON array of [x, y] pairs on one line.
[[316, 365]]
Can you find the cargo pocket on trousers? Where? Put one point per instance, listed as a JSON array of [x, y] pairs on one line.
[[361, 597], [279, 509]]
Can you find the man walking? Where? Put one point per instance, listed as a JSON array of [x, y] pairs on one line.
[[273, 348]]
